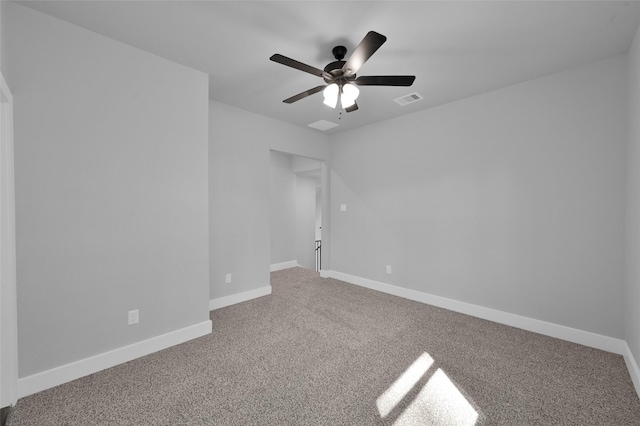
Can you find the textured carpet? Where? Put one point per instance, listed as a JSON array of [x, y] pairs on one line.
[[323, 352]]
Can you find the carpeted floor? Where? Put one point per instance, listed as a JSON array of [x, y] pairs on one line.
[[322, 352]]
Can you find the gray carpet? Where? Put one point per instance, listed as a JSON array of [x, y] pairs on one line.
[[322, 352]]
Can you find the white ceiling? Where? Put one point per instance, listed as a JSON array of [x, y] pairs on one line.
[[455, 49]]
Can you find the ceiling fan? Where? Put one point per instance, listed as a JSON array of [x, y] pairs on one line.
[[340, 76]]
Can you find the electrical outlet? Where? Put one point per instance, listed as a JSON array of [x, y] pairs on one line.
[[227, 279], [134, 317], [388, 269]]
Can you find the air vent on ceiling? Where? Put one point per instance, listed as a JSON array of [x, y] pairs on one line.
[[323, 125], [409, 99]]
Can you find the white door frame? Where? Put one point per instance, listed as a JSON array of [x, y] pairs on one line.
[[8, 302]]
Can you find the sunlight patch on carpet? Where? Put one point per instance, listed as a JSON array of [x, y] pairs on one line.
[[407, 380], [439, 401]]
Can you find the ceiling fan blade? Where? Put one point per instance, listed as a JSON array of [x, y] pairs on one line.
[[304, 94], [385, 80], [352, 107], [298, 65], [367, 47]]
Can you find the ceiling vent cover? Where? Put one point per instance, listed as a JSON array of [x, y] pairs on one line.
[[322, 125], [409, 99]]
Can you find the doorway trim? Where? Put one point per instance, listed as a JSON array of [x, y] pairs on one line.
[[8, 301]]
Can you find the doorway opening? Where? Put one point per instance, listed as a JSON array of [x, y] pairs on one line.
[[296, 205]]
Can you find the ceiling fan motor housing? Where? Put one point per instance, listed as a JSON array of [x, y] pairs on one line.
[[335, 68]]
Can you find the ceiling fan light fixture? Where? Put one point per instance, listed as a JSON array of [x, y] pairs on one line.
[[331, 95], [340, 74], [349, 95]]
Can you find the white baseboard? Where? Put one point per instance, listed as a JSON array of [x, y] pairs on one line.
[[72, 371], [221, 302], [585, 338], [283, 265], [632, 366], [325, 274]]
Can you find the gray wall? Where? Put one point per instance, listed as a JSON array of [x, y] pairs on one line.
[[239, 163], [111, 191], [512, 199], [282, 208], [632, 289], [3, 51]]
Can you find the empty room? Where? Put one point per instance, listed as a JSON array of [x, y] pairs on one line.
[[319, 213]]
